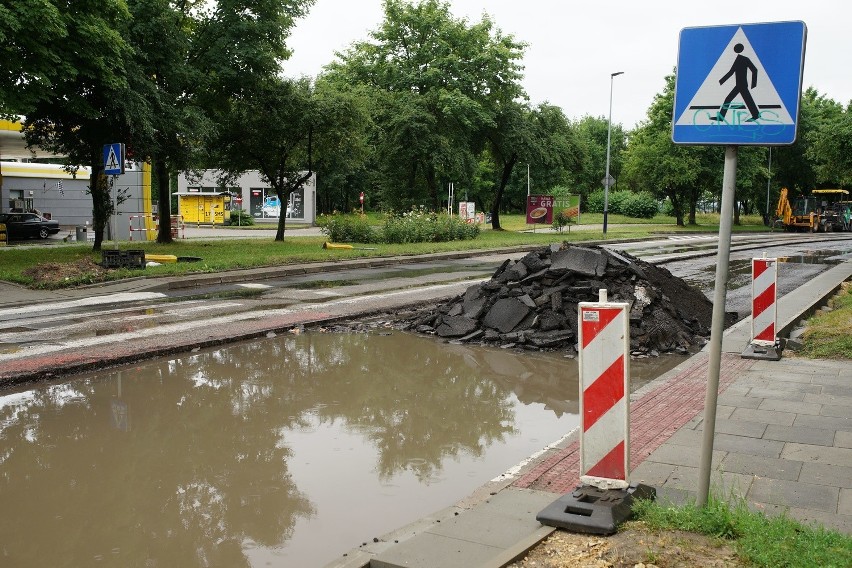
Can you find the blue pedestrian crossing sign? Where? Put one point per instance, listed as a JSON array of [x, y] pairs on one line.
[[113, 159], [739, 84]]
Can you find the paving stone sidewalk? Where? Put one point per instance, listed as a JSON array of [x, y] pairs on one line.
[[783, 439], [783, 442]]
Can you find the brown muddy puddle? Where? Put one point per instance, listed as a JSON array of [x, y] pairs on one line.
[[287, 451]]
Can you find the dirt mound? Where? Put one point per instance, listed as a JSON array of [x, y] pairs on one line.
[[632, 547], [532, 303], [53, 275]]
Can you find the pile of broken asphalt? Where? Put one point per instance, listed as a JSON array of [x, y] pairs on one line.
[[532, 303]]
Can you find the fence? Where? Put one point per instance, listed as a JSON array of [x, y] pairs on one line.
[[149, 226], [145, 226]]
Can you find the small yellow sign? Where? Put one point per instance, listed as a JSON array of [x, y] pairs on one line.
[[2, 235]]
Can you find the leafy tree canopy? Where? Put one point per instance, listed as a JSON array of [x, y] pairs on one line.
[[440, 81]]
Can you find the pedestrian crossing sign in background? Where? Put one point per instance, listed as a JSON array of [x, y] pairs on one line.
[[114, 159], [739, 84]]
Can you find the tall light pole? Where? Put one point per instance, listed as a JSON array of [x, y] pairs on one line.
[[607, 179], [768, 184]]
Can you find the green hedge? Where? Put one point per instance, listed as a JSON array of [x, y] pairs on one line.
[[637, 205]]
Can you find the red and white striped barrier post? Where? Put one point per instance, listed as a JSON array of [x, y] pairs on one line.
[[764, 310], [604, 342], [764, 305], [605, 499]]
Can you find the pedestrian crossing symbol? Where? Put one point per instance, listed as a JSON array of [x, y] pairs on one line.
[[739, 84], [114, 159]]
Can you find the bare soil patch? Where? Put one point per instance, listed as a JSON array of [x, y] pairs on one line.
[[51, 275], [635, 546]]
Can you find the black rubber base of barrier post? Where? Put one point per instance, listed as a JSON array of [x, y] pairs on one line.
[[762, 352], [591, 510]]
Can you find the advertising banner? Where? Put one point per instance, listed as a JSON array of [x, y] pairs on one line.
[[467, 211], [569, 205], [539, 209]]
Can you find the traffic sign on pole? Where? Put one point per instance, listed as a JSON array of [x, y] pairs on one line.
[[114, 159], [739, 84]]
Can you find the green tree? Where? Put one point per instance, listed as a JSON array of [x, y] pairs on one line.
[[540, 137], [654, 163], [161, 35], [32, 40], [591, 133], [273, 126], [830, 145], [511, 136], [794, 166], [342, 157], [149, 73], [438, 81], [96, 102], [558, 155], [195, 56]]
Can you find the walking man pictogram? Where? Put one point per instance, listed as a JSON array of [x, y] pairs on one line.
[[739, 70]]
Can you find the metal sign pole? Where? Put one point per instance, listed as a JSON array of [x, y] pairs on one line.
[[114, 198], [729, 180]]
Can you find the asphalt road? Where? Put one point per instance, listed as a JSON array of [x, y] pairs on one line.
[[131, 320]]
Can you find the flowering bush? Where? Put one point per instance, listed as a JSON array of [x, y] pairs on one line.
[[421, 226], [415, 226]]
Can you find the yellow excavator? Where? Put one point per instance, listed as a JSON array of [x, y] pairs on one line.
[[825, 210]]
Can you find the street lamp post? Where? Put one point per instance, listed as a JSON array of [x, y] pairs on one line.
[[607, 179], [768, 184]]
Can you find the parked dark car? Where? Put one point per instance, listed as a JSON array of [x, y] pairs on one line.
[[27, 226]]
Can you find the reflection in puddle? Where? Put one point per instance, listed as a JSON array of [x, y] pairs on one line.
[[812, 257], [739, 270], [286, 451]]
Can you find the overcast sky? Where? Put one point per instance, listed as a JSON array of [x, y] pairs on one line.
[[574, 46]]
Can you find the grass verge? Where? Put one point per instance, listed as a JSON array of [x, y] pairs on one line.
[[229, 253], [771, 542], [829, 334]]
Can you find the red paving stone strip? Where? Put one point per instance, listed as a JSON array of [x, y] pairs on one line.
[[78, 360], [653, 419]]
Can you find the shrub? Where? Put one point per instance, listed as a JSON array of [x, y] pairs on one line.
[[639, 205], [240, 217], [617, 199], [419, 226], [594, 202], [415, 226], [347, 229], [560, 219]]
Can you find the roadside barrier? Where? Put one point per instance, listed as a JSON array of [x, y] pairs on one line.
[[145, 226], [605, 498], [149, 226], [178, 228], [764, 311], [764, 305], [604, 342]]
